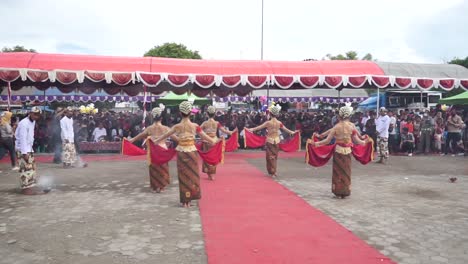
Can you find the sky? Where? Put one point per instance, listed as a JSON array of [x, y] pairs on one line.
[[430, 31]]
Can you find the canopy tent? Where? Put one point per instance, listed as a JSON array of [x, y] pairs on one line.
[[133, 75], [459, 99], [172, 99]]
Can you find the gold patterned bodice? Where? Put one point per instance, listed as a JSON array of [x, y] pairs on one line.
[[210, 127], [273, 129], [186, 133]]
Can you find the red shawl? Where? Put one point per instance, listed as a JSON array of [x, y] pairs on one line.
[[319, 156], [254, 141], [232, 144], [131, 150], [159, 155]]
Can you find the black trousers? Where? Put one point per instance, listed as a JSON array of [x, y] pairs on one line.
[[8, 144], [453, 138]]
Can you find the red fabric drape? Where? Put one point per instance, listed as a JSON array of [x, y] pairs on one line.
[[252, 140], [214, 156], [232, 144], [294, 144], [364, 153], [319, 156], [131, 150], [159, 155]]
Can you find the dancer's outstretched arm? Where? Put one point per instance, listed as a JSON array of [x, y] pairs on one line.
[[329, 138], [290, 132], [142, 135], [262, 126], [357, 138], [224, 130]]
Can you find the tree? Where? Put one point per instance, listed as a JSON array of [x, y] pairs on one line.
[[350, 55], [462, 62], [17, 48], [173, 50]]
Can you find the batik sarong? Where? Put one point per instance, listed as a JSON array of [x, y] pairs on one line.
[[382, 147], [341, 178], [271, 151], [207, 168], [159, 176], [68, 153], [27, 171], [189, 179]]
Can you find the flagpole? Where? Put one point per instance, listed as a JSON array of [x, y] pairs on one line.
[[261, 55], [9, 96]]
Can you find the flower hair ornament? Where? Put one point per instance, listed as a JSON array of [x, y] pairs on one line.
[[185, 107], [346, 111], [274, 109], [211, 110]]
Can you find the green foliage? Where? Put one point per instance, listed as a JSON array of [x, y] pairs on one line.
[[350, 55], [17, 48], [173, 50], [458, 61]]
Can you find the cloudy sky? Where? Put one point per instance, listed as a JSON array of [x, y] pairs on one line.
[[391, 30]]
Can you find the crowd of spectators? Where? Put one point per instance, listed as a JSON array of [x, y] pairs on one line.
[[429, 131]]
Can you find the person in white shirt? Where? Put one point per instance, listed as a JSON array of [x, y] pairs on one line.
[[68, 139], [392, 139], [382, 125], [24, 135], [99, 133], [364, 121]]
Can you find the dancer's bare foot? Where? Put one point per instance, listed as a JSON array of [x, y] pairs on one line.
[[211, 177], [158, 190]]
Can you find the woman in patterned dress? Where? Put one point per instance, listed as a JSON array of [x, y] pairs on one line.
[[210, 127], [273, 127], [345, 134], [159, 174], [187, 154]]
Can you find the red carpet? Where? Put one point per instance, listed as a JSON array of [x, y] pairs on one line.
[[249, 218]]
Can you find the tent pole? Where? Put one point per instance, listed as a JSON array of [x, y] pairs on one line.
[[378, 99]]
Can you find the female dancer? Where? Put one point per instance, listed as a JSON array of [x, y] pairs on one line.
[[187, 155], [210, 127], [273, 127]]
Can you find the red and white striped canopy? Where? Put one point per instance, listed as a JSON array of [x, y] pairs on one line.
[[129, 74]]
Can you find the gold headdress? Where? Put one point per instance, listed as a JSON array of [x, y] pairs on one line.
[[185, 107], [274, 109], [346, 111], [211, 110]]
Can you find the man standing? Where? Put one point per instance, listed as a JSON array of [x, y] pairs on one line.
[[427, 130], [392, 137], [382, 124], [24, 146], [68, 139], [56, 135], [454, 127]]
